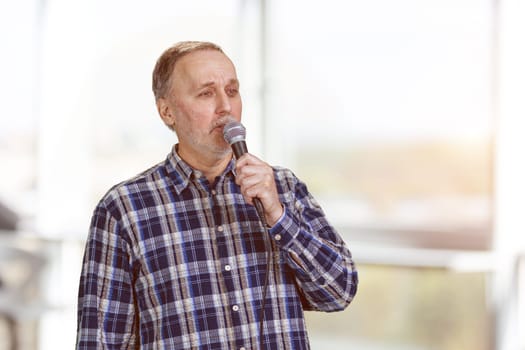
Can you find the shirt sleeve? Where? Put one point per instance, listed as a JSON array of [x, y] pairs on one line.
[[106, 311], [324, 269]]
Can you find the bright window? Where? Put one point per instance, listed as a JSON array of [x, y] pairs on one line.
[[385, 109]]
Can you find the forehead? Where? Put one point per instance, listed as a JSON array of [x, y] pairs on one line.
[[203, 67]]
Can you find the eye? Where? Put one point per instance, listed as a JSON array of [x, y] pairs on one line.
[[232, 92], [206, 93]]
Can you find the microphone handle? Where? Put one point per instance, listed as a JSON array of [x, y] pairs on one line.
[[260, 210], [239, 148]]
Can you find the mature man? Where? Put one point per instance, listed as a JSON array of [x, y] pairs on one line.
[[175, 257]]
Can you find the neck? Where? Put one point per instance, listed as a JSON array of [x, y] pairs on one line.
[[210, 166]]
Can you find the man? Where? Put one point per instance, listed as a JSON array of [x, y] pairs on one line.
[[175, 257]]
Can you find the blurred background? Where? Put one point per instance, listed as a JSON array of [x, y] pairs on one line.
[[405, 118]]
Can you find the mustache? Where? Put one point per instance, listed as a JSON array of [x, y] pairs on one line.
[[221, 122]]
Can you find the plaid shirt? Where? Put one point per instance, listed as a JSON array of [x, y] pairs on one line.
[[173, 262]]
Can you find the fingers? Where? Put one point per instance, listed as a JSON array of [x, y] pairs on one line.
[[254, 176], [256, 179]]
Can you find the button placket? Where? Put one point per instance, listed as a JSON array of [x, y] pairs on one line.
[[226, 255]]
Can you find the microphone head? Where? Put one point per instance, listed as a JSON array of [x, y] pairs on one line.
[[234, 132]]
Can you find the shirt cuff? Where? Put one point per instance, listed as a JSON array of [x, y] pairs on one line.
[[285, 229]]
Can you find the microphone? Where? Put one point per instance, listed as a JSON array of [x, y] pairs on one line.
[[235, 134]]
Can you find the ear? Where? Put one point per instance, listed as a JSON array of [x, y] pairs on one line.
[[165, 112]]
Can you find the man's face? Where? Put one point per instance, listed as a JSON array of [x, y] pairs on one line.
[[204, 95]]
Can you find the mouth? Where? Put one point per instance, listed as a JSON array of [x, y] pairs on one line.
[[219, 125], [218, 128]]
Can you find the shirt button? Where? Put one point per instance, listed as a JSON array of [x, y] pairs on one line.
[[219, 228], [277, 237], [235, 308], [213, 192], [227, 268]]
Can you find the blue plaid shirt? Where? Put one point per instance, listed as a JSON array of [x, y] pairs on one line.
[[174, 262]]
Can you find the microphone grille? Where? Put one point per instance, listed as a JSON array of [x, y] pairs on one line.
[[234, 132]]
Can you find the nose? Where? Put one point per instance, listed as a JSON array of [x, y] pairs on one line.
[[223, 105]]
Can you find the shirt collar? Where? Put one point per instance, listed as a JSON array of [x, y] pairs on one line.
[[182, 173]]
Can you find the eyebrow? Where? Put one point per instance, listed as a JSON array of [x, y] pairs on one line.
[[212, 83]]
